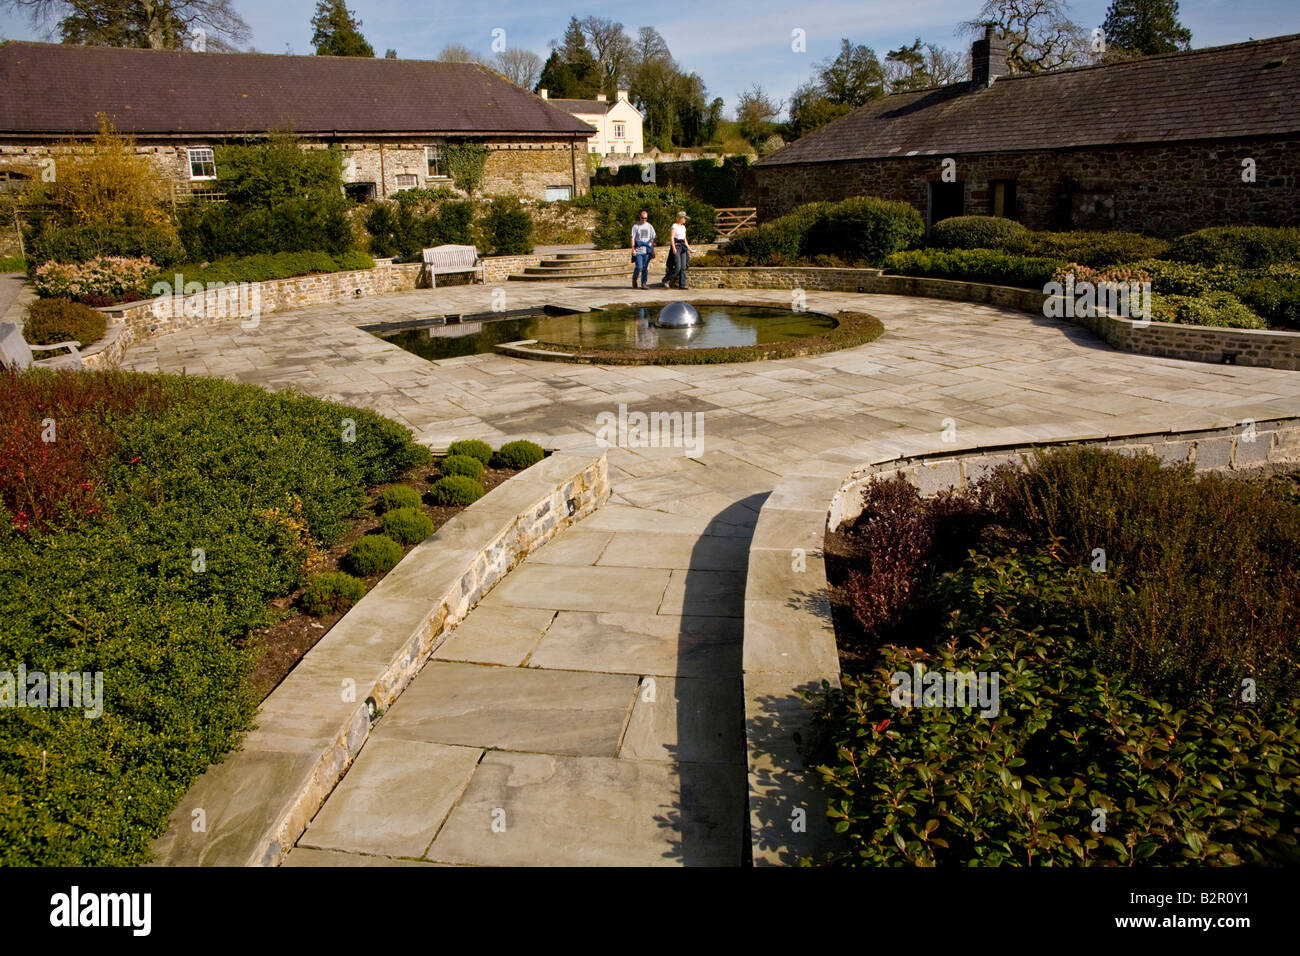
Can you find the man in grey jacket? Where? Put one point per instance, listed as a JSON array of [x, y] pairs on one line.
[[643, 244]]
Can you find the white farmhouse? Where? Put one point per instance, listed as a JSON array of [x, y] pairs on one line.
[[617, 124]]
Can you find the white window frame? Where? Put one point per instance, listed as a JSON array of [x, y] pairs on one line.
[[436, 153], [211, 161], [568, 193], [620, 130], [398, 177]]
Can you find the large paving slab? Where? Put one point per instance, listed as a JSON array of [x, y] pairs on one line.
[[512, 708], [595, 811], [553, 666]]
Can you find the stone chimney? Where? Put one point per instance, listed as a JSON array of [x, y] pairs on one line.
[[622, 96], [543, 93], [988, 58], [600, 97]]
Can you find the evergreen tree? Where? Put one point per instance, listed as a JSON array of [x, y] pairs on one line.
[[337, 32], [1145, 27]]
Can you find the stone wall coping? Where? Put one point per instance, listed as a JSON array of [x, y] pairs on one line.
[[789, 639], [258, 801]]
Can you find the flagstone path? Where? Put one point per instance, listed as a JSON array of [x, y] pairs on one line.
[[589, 710]]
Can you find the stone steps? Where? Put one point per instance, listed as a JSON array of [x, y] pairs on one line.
[[567, 266]]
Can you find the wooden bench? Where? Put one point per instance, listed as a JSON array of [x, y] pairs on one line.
[[444, 260], [15, 352]]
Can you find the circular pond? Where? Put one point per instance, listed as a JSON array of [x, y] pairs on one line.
[[617, 327]]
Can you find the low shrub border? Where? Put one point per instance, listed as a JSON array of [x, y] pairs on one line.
[[854, 328], [1266, 348], [789, 643], [259, 800]]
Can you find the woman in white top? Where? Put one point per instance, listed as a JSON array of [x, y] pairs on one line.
[[681, 247]]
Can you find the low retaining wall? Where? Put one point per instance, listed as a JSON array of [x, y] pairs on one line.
[[1261, 347], [257, 803], [789, 643]]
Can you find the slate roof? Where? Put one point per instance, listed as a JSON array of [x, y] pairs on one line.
[[583, 106], [56, 90], [1246, 89]]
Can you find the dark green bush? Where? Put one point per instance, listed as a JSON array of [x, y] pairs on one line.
[[518, 454], [455, 490], [472, 447], [619, 207], [62, 320], [210, 498], [920, 786], [263, 268], [330, 592], [461, 465], [224, 230], [975, 265], [865, 229], [1247, 247], [83, 243], [416, 220], [1104, 592], [1095, 249], [862, 229], [1170, 612], [1276, 299], [398, 496], [507, 228], [975, 232], [373, 554], [407, 525]]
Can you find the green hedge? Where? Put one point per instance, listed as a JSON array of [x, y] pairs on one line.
[[373, 554], [1104, 593], [1096, 249], [1215, 309], [331, 592], [465, 465], [407, 525], [975, 232], [83, 243], [975, 265], [862, 229], [262, 268], [209, 502], [619, 208], [455, 490], [471, 447], [62, 320], [507, 228], [1247, 247], [416, 220]]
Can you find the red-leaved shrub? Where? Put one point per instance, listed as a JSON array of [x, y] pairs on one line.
[[58, 444]]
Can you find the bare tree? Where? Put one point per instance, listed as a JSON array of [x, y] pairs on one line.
[[521, 67], [612, 49], [458, 53], [651, 47], [154, 24], [755, 111], [1039, 33]]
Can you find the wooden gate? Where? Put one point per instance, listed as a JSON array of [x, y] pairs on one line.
[[731, 221]]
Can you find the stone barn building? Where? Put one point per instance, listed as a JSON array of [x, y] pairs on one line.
[[1162, 145], [389, 117]]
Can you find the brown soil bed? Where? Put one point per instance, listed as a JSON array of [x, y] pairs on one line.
[[286, 641]]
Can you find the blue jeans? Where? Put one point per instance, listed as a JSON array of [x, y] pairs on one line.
[[641, 267], [683, 263]]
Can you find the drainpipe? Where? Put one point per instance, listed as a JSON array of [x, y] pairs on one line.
[[383, 177], [573, 165]]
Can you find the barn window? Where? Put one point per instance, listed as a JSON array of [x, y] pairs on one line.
[[203, 164], [407, 181]]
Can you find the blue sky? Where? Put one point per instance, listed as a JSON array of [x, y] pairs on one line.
[[730, 44]]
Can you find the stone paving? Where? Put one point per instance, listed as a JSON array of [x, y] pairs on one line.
[[589, 710]]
